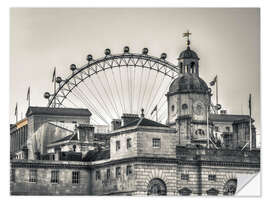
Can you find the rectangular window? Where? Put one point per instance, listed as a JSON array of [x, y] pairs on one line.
[[108, 173], [75, 177], [128, 143], [117, 145], [33, 176], [13, 175], [98, 177], [118, 172], [184, 176], [129, 170], [156, 142], [212, 177], [54, 176]]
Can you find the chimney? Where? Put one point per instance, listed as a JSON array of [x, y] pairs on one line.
[[127, 118], [116, 124], [85, 133], [223, 111]]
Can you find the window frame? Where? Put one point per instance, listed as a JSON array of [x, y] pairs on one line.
[[129, 145], [129, 170], [76, 177], [155, 141], [13, 175], [117, 145], [118, 172], [185, 176], [55, 176], [212, 177], [32, 176], [108, 173], [98, 175]]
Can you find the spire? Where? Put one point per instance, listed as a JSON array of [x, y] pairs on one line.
[[186, 34]]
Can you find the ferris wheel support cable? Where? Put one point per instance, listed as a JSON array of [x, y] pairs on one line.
[[155, 95], [138, 103], [131, 88], [145, 87], [92, 105], [163, 94], [94, 96], [128, 81], [89, 104], [107, 94], [72, 102], [134, 75], [122, 88], [117, 91], [151, 92], [101, 98], [111, 93]]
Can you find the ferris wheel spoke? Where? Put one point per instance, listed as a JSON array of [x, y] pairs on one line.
[[145, 88], [90, 105], [151, 92], [101, 98], [94, 96], [111, 93], [120, 74], [155, 95], [106, 93]]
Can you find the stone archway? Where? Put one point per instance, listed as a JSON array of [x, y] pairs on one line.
[[230, 187], [156, 187]]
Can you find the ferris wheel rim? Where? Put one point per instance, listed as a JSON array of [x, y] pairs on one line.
[[111, 57]]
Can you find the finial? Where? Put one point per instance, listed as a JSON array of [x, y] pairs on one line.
[[186, 34], [142, 114]]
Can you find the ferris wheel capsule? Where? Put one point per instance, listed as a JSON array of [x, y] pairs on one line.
[[46, 95], [73, 67], [163, 56], [58, 80], [126, 49], [107, 52], [89, 57], [145, 51]]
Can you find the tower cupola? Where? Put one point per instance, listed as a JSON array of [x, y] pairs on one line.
[[188, 60]]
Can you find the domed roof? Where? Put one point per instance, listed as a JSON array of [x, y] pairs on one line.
[[188, 53], [188, 83]]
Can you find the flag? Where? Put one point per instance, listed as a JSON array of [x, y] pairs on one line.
[[16, 110], [249, 104], [213, 82], [28, 94], [54, 72], [155, 109]]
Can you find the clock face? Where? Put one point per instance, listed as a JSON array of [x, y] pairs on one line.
[[198, 108]]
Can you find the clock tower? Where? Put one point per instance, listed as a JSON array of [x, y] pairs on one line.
[[188, 100]]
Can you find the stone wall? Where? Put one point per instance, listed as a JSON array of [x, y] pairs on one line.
[[43, 185], [123, 184], [145, 172]]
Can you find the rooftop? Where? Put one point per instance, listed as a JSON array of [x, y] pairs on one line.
[[35, 110]]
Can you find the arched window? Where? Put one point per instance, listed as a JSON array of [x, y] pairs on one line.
[[192, 67], [173, 108], [230, 187], [200, 132], [156, 187], [74, 148], [181, 67]]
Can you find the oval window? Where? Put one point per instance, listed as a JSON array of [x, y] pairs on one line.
[[184, 106]]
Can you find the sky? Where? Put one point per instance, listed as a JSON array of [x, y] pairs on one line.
[[227, 41]]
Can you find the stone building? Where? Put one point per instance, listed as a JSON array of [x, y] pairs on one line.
[[140, 156]]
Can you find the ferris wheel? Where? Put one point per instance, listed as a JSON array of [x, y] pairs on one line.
[[116, 84]]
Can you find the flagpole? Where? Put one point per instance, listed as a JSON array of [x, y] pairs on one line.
[[207, 131], [250, 133], [217, 92]]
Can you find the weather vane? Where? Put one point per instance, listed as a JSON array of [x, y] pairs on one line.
[[186, 34]]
